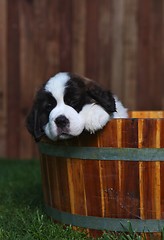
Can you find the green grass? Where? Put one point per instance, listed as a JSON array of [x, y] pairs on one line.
[[22, 214]]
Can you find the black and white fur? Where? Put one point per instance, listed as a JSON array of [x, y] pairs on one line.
[[68, 104]]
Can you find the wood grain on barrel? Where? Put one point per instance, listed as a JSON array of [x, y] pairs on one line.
[[45, 185], [149, 171], [130, 172], [110, 176], [92, 175], [54, 183], [76, 186], [162, 169]]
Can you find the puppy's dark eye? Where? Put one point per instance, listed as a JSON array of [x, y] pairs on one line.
[[49, 107], [77, 104], [72, 103]]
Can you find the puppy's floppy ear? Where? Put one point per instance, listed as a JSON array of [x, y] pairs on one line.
[[33, 124], [102, 97], [35, 119]]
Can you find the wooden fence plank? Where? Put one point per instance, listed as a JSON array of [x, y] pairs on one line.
[[156, 70], [149, 54], [117, 47], [3, 71], [27, 80], [13, 79], [130, 40], [65, 55], [53, 38], [105, 45], [92, 39], [79, 40]]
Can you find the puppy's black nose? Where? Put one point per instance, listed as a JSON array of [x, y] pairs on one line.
[[61, 121]]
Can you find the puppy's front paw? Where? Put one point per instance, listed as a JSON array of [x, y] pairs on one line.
[[95, 117]]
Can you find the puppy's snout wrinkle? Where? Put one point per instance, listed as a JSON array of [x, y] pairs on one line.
[[61, 121]]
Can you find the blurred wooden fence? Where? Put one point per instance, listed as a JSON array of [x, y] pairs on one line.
[[118, 43]]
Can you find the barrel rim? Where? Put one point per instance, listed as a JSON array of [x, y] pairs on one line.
[[104, 223], [102, 153]]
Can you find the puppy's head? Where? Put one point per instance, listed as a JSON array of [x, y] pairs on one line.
[[66, 105]]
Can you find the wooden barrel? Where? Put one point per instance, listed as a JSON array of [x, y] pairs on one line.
[[108, 180]]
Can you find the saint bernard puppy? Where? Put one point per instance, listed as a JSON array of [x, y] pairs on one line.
[[68, 104]]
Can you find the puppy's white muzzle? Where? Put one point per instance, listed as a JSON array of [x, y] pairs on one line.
[[64, 122]]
